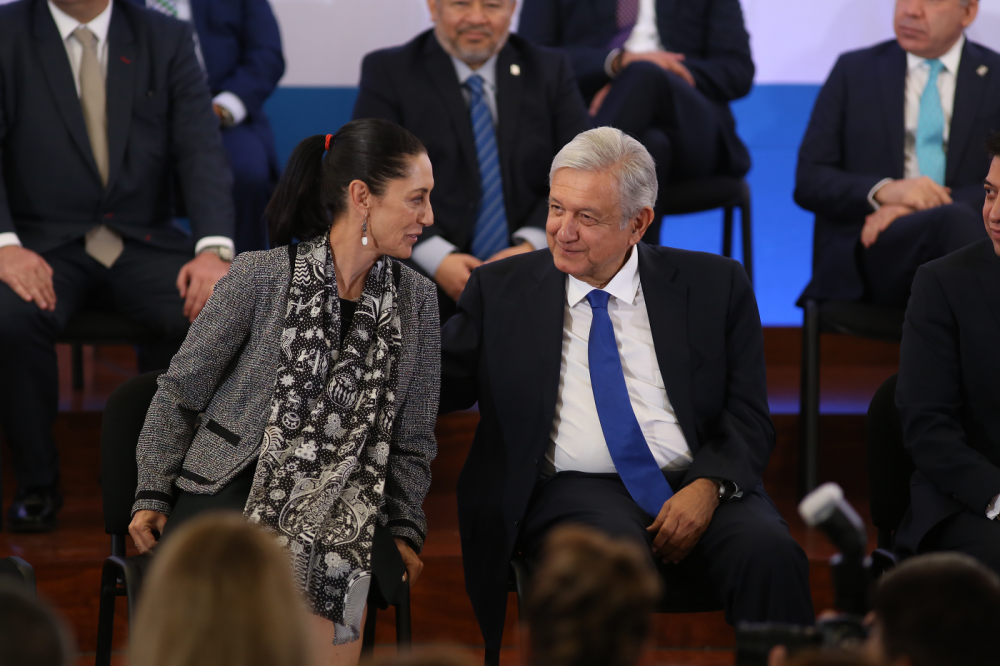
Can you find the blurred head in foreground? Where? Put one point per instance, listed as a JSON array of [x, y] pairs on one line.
[[939, 609], [220, 592], [30, 633], [591, 601], [428, 657]]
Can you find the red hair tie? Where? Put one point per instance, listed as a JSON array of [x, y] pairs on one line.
[[328, 137]]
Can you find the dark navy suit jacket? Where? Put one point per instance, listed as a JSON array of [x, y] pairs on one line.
[[539, 110], [947, 392], [160, 127], [855, 139], [241, 45], [710, 34], [504, 348]]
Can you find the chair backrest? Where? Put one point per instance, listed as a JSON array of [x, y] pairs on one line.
[[124, 416], [889, 465]]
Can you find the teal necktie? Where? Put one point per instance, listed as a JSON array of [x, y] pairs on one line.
[[930, 128]]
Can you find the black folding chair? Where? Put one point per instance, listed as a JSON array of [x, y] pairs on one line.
[[727, 193], [121, 576], [93, 327], [862, 320], [681, 595], [889, 471]]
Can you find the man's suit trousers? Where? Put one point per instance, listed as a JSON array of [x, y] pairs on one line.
[[758, 571], [911, 241], [141, 285]]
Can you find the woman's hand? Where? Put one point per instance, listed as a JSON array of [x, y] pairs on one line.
[[413, 564], [142, 526]]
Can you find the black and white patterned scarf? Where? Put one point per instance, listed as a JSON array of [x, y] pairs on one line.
[[322, 466]]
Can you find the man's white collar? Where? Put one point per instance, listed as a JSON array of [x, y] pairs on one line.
[[624, 285]]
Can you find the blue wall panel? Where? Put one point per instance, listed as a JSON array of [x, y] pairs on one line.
[[771, 119]]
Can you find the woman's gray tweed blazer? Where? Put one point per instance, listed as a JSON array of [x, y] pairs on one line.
[[207, 419]]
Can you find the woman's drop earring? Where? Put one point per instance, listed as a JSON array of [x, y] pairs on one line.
[[364, 230]]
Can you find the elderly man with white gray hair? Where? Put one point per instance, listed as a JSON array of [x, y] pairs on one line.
[[621, 386]]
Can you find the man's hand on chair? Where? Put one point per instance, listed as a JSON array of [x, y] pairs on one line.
[[683, 519]]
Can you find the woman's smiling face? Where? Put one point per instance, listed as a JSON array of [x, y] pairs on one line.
[[399, 216]]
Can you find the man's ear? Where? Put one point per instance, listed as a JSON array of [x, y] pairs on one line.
[[640, 223]]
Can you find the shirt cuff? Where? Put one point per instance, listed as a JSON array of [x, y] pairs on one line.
[[212, 241], [9, 238], [429, 254], [233, 105], [610, 61], [871, 193], [533, 235], [993, 508]]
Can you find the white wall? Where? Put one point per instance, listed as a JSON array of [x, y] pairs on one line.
[[794, 41]]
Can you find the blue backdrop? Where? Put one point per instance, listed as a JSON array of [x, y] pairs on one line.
[[771, 120]]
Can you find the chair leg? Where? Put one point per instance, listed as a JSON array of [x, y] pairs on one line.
[[809, 401], [368, 637], [727, 231], [76, 363], [403, 628], [106, 613], [492, 657], [746, 228]]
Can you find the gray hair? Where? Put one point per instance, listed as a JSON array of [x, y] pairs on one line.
[[607, 149]]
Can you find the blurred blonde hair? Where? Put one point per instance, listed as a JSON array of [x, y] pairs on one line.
[[220, 593], [591, 600]]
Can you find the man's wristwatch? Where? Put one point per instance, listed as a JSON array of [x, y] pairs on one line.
[[223, 252], [727, 490]]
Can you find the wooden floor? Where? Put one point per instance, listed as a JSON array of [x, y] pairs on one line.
[[68, 560]]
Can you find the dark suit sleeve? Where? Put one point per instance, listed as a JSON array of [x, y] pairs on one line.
[[376, 96], [569, 118], [6, 221], [929, 395], [461, 339], [541, 23], [196, 149], [738, 446], [261, 62], [725, 70], [822, 186]]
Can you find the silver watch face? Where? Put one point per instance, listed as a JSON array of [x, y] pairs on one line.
[[221, 251]]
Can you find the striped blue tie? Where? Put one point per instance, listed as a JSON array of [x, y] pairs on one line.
[[930, 128], [490, 234]]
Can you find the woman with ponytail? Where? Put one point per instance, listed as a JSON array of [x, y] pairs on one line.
[[306, 392]]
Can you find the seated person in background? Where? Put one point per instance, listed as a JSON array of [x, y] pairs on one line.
[[493, 110], [891, 162], [936, 610], [239, 48], [31, 634], [591, 601], [102, 105], [220, 593], [947, 395], [663, 71], [663, 442]]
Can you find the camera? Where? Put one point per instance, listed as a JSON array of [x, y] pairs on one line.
[[826, 509]]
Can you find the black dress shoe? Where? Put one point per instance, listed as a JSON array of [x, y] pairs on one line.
[[34, 509]]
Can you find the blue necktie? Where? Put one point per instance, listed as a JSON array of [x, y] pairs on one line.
[[930, 128], [629, 451], [490, 233]]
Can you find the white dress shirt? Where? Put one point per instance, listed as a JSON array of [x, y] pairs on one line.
[[917, 72], [644, 38], [430, 253], [66, 24], [577, 438]]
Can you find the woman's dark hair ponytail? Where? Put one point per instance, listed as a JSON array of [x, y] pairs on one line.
[[312, 192]]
